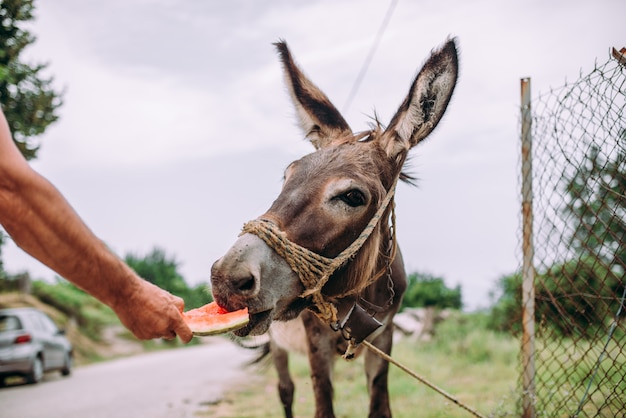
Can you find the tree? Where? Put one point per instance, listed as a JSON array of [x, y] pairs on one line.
[[597, 206], [28, 100], [27, 97], [158, 269], [576, 296], [425, 290]]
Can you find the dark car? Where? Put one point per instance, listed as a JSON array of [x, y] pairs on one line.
[[31, 344]]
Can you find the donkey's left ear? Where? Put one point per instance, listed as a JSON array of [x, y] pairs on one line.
[[426, 102], [319, 118]]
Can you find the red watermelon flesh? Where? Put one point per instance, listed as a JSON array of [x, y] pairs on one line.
[[212, 319]]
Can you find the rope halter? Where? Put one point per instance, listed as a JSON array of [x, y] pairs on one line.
[[313, 269]]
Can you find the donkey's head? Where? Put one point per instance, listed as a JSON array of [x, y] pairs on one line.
[[329, 196]]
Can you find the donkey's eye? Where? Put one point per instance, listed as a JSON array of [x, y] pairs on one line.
[[353, 198]]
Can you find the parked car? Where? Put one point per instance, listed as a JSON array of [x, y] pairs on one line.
[[31, 344]]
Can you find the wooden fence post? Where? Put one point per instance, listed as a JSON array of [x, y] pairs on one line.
[[528, 271]]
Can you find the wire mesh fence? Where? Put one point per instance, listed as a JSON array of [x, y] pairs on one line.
[[574, 354]]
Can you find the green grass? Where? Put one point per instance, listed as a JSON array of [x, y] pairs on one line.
[[564, 370], [476, 366]]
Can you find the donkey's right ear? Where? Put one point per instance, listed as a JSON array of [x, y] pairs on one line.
[[318, 117], [426, 102]]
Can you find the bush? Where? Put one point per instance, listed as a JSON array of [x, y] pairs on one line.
[[572, 299], [425, 290], [506, 313]]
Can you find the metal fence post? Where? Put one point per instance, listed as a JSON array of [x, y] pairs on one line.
[[528, 271]]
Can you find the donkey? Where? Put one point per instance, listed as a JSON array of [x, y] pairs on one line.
[[323, 260]]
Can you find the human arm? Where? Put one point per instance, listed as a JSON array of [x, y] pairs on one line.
[[43, 224]]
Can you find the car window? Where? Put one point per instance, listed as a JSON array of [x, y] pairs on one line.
[[9, 323], [32, 322], [37, 321], [26, 320], [47, 324]]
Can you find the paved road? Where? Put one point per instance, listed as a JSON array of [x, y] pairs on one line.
[[164, 384]]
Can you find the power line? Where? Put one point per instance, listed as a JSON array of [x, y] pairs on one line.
[[370, 55]]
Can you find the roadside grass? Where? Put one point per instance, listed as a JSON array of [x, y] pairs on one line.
[[476, 366]]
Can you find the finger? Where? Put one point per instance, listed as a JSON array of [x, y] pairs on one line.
[[183, 331]]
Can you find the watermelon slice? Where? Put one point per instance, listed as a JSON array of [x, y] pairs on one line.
[[212, 319]]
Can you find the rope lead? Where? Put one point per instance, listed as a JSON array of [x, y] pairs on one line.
[[410, 372]]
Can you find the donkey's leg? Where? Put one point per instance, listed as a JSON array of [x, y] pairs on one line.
[[280, 357], [321, 356], [377, 370]]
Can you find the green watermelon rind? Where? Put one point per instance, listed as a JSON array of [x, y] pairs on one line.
[[201, 329], [222, 329]]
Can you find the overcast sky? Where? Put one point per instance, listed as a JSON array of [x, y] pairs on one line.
[[176, 127]]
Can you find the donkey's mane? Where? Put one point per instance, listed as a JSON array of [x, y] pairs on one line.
[[368, 262]]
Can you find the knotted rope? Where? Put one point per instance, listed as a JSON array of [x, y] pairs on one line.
[[313, 269]]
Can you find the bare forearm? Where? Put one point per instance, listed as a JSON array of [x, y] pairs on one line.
[[44, 225]]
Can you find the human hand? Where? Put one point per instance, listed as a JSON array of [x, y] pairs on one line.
[[151, 312]]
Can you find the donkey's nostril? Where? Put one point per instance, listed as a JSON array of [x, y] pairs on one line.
[[245, 284]]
